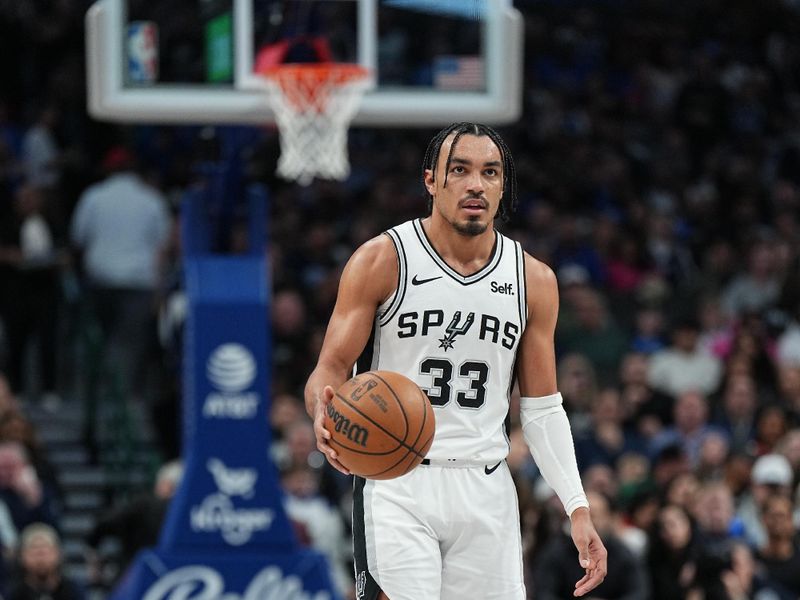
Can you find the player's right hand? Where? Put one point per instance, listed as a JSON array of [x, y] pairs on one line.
[[323, 435]]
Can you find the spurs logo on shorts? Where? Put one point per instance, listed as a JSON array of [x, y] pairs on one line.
[[361, 584]]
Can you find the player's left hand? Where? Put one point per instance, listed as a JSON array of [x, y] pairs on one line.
[[592, 553]]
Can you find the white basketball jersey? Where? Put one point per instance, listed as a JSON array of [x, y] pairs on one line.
[[457, 338]]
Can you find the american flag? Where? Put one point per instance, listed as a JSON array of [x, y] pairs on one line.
[[458, 73]]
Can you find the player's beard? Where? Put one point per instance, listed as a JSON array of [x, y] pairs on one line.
[[470, 228]]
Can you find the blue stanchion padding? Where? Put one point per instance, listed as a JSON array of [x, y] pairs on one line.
[[301, 575], [226, 535]]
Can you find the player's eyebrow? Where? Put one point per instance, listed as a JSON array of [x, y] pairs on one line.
[[466, 161]]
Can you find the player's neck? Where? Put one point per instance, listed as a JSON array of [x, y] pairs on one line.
[[464, 253]]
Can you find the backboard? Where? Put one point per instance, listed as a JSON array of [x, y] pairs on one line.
[[433, 61]]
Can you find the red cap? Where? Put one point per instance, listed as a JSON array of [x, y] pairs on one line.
[[118, 158]]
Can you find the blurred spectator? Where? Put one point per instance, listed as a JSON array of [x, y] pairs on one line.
[[289, 339], [737, 411], [27, 499], [668, 463], [680, 491], [606, 439], [780, 554], [713, 512], [284, 411], [594, 334], [741, 578], [758, 286], [670, 550], [715, 328], [701, 108], [557, 569], [15, 427], [300, 449], [627, 264], [301, 445], [602, 479], [633, 472], [30, 311], [714, 451], [670, 257], [41, 156], [520, 461], [788, 344], [172, 308], [573, 279], [573, 248], [538, 526], [640, 506], [789, 389], [684, 366], [789, 446], [771, 425], [771, 475], [134, 525], [41, 574], [8, 400], [647, 411], [648, 330], [787, 350], [738, 468], [691, 427], [578, 385], [320, 521], [119, 226], [751, 352]]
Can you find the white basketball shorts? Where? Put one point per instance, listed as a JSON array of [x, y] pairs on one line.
[[439, 532]]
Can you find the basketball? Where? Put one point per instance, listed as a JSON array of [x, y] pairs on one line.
[[381, 424]]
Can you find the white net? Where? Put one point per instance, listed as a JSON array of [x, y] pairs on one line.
[[314, 105]]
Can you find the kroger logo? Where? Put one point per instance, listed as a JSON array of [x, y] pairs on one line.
[[217, 512], [231, 368]]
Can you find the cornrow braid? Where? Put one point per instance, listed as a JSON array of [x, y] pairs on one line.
[[508, 203]]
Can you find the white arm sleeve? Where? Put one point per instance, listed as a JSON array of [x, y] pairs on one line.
[[549, 436]]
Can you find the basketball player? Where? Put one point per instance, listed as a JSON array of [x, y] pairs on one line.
[[460, 309]]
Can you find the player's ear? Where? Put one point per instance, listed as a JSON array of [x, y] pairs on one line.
[[428, 179]]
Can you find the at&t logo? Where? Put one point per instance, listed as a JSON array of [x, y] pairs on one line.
[[231, 369]]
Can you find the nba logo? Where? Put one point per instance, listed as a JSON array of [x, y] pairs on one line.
[[142, 52]]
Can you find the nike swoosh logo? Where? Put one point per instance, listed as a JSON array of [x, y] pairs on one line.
[[489, 471], [416, 281]]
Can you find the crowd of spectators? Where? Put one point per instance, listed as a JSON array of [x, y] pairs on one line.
[[659, 173]]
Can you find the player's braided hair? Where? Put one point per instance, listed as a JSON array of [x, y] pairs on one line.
[[508, 203]]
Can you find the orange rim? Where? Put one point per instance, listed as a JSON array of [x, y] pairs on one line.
[[307, 86], [315, 73]]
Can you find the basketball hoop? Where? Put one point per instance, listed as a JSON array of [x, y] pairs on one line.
[[314, 104]]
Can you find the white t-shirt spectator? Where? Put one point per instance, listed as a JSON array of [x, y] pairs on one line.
[[121, 223], [674, 372], [789, 345]]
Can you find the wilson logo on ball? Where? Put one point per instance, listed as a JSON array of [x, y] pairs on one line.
[[355, 433]]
